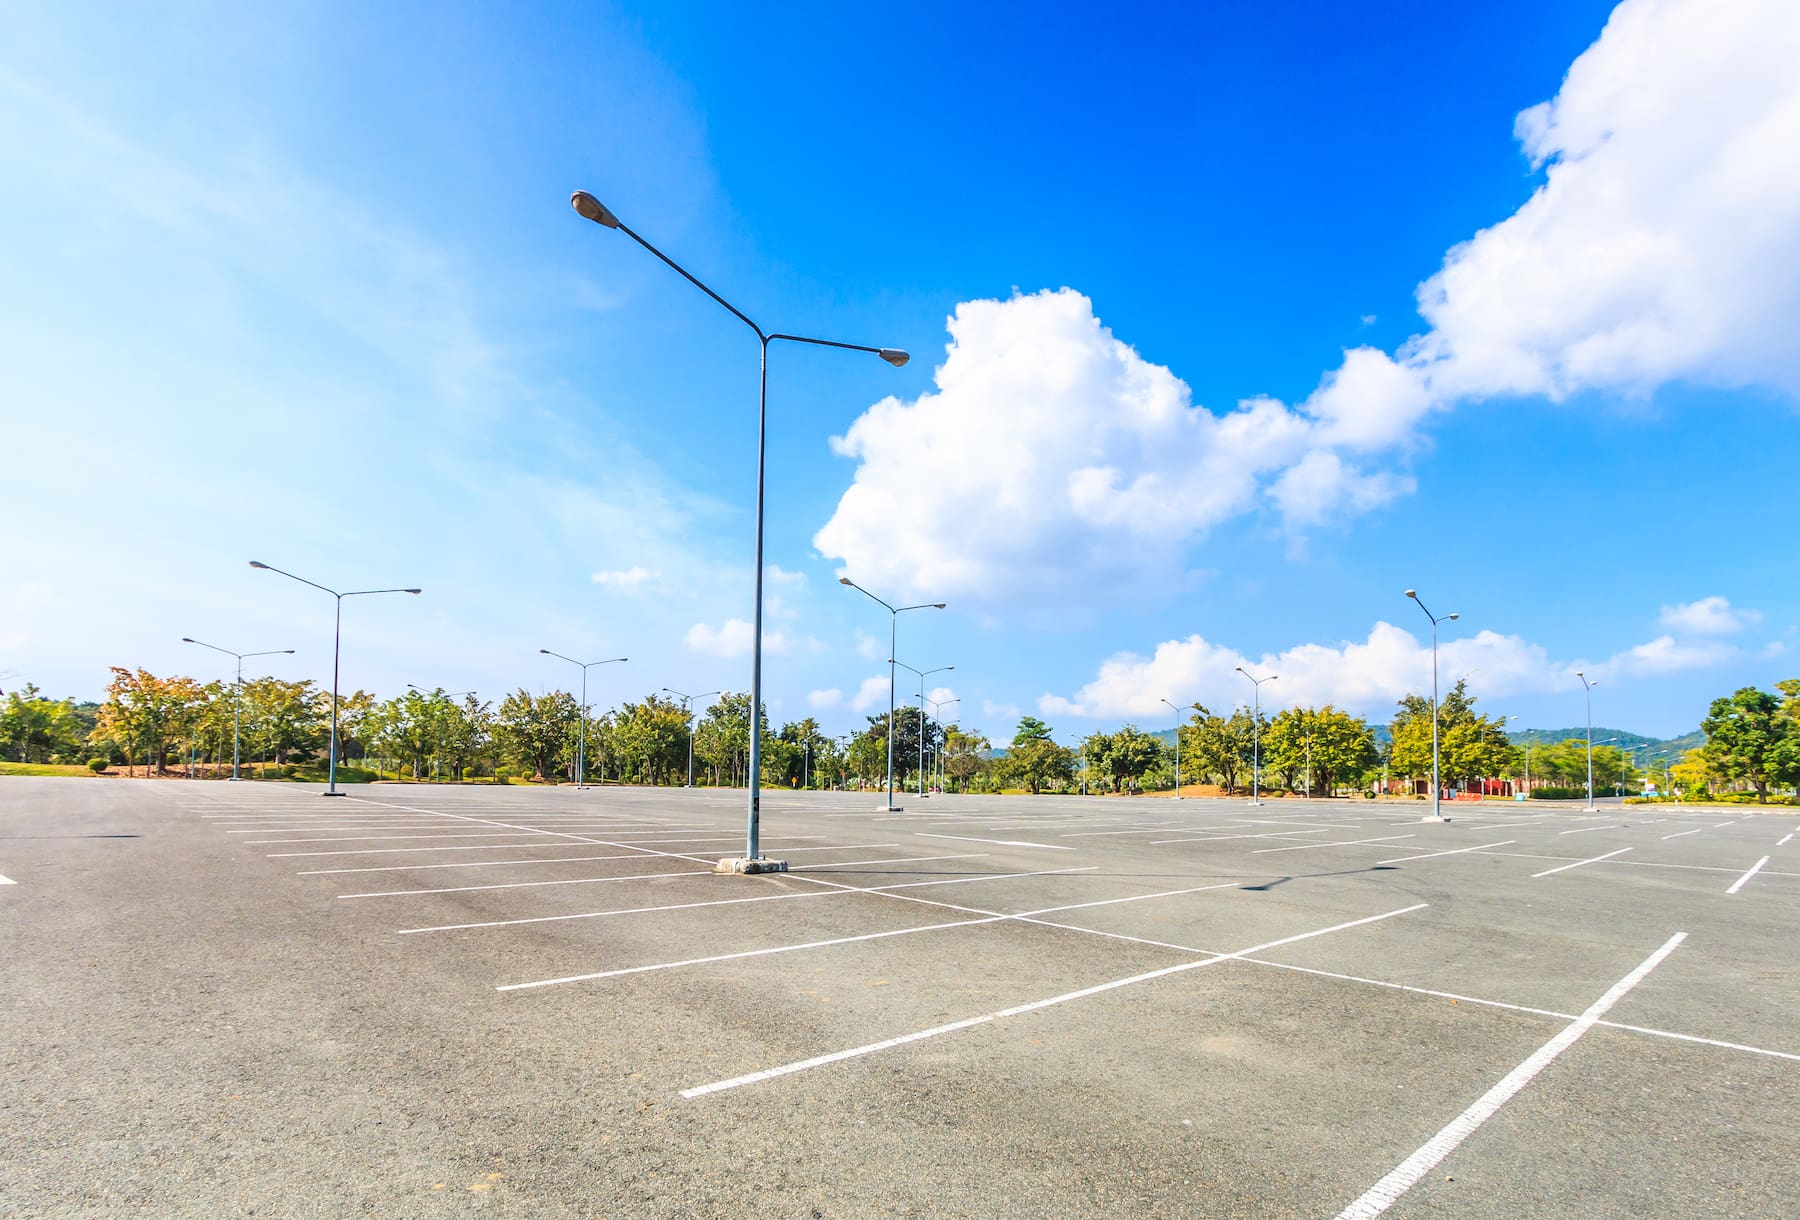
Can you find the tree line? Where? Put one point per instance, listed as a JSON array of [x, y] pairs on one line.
[[163, 723]]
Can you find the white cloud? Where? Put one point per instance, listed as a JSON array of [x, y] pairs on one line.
[[631, 580], [1050, 460], [822, 699], [777, 575], [1665, 240], [872, 693], [999, 711], [1365, 676], [732, 639], [1708, 616], [868, 647]]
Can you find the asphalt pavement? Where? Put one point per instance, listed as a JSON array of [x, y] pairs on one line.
[[246, 999]]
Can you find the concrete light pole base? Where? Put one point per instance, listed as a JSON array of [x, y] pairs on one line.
[[890, 809], [334, 794], [743, 864], [1435, 817]]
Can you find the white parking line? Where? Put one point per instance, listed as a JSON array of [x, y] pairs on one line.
[[7, 881], [1696, 830], [1754, 869], [419, 868], [1565, 868], [986, 918], [702, 872], [1588, 830], [925, 834], [725, 902], [1019, 1010], [1271, 834], [1784, 839], [1457, 852], [1385, 1193], [1261, 851]]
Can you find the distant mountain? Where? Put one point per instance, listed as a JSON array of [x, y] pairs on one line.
[[1635, 743]]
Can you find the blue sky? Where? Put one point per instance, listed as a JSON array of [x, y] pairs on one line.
[[302, 285]]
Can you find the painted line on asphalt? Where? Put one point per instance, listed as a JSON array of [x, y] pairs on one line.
[[1754, 869], [7, 881], [1696, 830], [1565, 868], [1261, 851], [486, 834], [985, 918], [1018, 1010], [1522, 1008], [1385, 1193], [534, 845], [725, 902], [1268, 834], [1588, 830], [1784, 839], [1456, 852], [925, 834], [700, 872], [419, 868]]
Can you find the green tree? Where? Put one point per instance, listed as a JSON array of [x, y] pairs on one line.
[[33, 728], [965, 755], [533, 731], [651, 738], [1749, 738], [146, 714], [1035, 761]]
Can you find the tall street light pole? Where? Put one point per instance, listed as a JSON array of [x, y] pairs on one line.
[[1177, 712], [336, 638], [922, 675], [937, 709], [237, 690], [581, 743], [687, 710], [1436, 788], [894, 613], [1256, 733], [592, 209], [1588, 687]]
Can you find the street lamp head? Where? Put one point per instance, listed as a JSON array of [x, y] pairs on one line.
[[592, 209], [938, 605], [412, 590], [894, 356], [187, 639], [545, 651], [257, 563], [1413, 593], [845, 580], [1452, 617]]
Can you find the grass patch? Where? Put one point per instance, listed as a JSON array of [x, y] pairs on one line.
[[13, 768]]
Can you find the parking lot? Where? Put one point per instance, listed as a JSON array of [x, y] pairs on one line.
[[422, 1000]]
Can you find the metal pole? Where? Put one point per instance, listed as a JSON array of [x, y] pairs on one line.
[[1435, 788], [921, 736], [893, 650], [237, 697], [1177, 712], [581, 744], [687, 712], [336, 637], [752, 844]]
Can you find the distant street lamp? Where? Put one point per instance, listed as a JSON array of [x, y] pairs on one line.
[[581, 747], [922, 674], [1588, 688], [688, 711], [336, 638], [592, 209], [1177, 712], [937, 709], [1256, 733], [237, 689], [894, 613], [1436, 787]]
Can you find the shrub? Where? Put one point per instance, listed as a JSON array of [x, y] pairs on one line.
[[97, 765], [1558, 794]]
